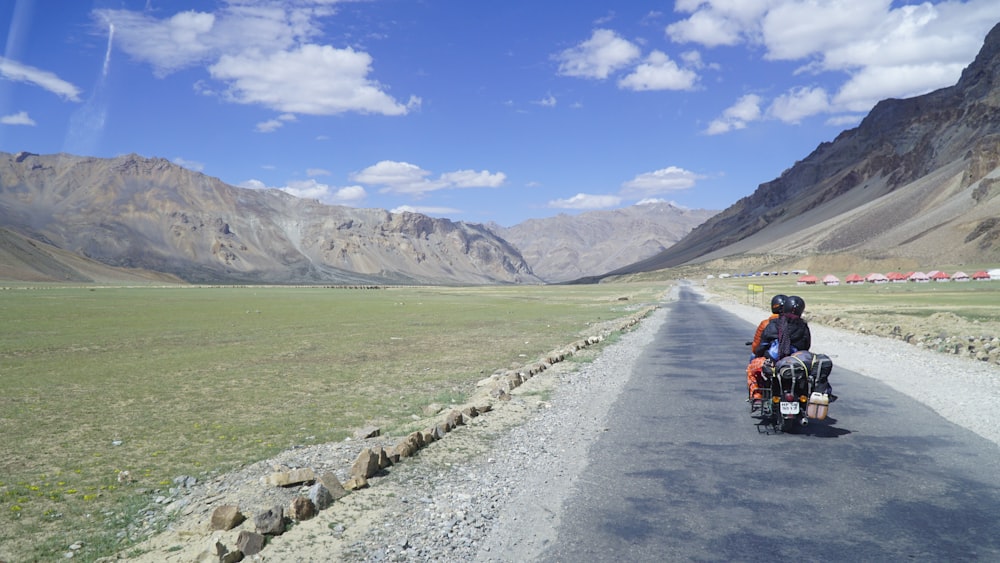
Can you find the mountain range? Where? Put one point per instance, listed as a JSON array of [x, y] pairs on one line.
[[913, 186], [74, 218]]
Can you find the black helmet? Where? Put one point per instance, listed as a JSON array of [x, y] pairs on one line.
[[795, 305], [778, 303]]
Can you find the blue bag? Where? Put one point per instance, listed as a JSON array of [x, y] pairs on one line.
[[772, 351]]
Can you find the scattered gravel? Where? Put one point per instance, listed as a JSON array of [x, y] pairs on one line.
[[492, 491]]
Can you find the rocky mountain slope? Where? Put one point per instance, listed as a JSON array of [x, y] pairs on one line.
[[564, 247], [147, 213], [24, 259], [915, 184]]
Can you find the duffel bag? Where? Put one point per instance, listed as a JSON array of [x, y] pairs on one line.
[[820, 367], [795, 366]]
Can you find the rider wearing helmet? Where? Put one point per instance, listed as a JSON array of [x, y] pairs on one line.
[[790, 330], [777, 307], [757, 363]]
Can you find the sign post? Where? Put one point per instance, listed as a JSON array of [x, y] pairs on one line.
[[754, 294]]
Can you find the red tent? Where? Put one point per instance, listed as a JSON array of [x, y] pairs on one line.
[[854, 279], [940, 276], [981, 275], [808, 280]]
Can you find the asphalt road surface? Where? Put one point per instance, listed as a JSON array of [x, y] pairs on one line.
[[684, 473]]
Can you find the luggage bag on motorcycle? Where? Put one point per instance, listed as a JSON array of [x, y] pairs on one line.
[[820, 367], [795, 366]]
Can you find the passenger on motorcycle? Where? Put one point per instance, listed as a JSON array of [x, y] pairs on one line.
[[757, 362]]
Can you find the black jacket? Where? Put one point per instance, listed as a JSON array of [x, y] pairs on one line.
[[798, 333]]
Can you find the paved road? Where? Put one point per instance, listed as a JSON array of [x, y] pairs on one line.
[[683, 474]]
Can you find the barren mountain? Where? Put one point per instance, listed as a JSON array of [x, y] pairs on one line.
[[136, 212], [567, 247], [914, 184], [24, 259]]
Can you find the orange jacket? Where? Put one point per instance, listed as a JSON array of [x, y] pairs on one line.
[[760, 330]]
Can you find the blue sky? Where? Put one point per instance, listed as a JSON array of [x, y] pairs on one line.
[[471, 110]]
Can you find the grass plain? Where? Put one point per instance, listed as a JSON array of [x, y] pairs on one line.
[[971, 302], [169, 381]]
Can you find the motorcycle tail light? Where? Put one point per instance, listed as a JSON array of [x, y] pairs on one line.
[[803, 398]]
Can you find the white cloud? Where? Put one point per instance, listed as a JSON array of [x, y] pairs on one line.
[[13, 70], [189, 164], [311, 189], [391, 173], [586, 201], [19, 118], [658, 72], [426, 210], [846, 120], [866, 51], [664, 180], [406, 178], [254, 184], [597, 57], [274, 124], [312, 79], [657, 201], [798, 103], [745, 110], [350, 195], [268, 126], [714, 23], [262, 52], [168, 45], [473, 179], [798, 30], [872, 84], [548, 101], [313, 172]]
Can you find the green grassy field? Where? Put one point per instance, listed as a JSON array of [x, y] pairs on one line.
[[970, 301], [172, 381]]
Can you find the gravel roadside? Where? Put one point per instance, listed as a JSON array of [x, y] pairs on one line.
[[492, 491]]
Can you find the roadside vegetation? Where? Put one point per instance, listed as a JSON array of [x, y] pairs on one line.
[[167, 382], [971, 302], [960, 318]]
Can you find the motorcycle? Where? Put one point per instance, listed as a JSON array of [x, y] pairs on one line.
[[794, 391]]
